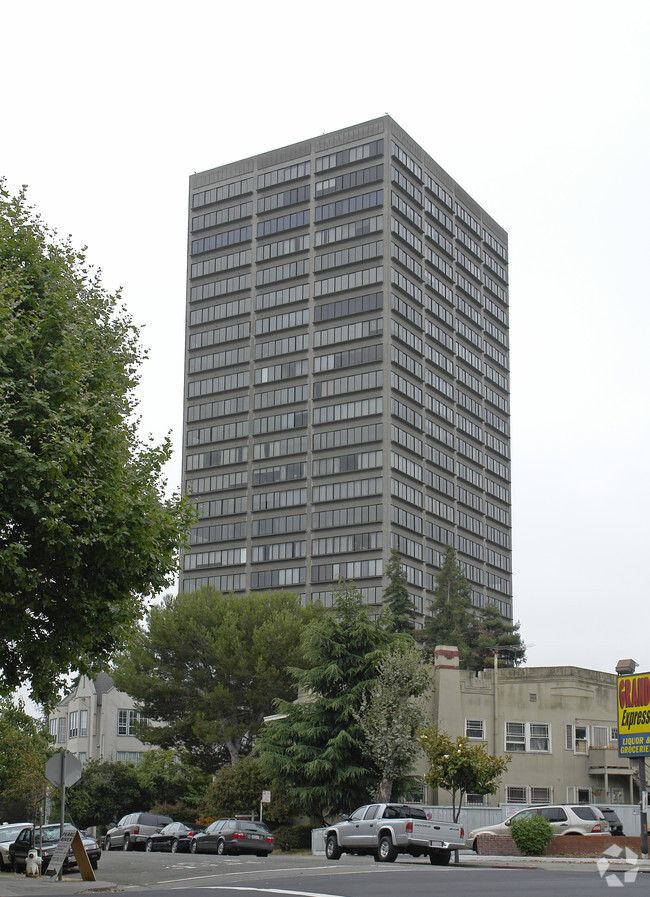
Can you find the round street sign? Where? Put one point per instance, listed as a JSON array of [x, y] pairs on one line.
[[63, 769]]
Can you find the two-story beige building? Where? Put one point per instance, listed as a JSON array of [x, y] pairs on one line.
[[559, 724], [97, 722]]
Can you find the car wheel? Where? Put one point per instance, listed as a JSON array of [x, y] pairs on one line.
[[107, 842], [126, 844], [94, 864], [264, 854], [193, 847], [221, 847], [332, 849], [174, 847], [387, 851], [149, 845], [439, 857]]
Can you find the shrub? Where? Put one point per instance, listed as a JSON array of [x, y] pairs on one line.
[[293, 837], [532, 836]]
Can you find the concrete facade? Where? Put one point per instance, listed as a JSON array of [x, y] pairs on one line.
[[96, 722], [559, 724], [346, 377]]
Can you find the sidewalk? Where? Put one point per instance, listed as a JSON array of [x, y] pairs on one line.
[[18, 885]]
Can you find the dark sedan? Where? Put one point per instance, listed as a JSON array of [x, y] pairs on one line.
[[175, 837], [29, 838], [234, 836]]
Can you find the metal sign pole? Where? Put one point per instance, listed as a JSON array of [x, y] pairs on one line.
[[643, 804], [63, 755]]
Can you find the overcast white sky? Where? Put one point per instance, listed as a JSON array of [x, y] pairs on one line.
[[540, 111]]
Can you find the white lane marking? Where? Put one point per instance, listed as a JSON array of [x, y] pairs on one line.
[[255, 871], [274, 891]]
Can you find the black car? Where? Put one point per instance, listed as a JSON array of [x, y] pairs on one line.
[[615, 824], [175, 837], [234, 836], [29, 838]]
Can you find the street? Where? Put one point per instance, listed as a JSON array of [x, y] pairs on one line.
[[313, 876]]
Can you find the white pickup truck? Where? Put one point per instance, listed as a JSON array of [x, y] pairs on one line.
[[385, 830]]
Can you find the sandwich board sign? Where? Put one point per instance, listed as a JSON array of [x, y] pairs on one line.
[[71, 840]]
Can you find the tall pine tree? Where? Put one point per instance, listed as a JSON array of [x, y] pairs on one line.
[[316, 746], [396, 596], [476, 632], [453, 622]]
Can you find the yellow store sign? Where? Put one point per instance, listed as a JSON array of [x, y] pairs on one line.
[[634, 715]]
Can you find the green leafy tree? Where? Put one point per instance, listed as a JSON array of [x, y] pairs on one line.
[[460, 767], [452, 621], [390, 712], [24, 750], [238, 789], [173, 785], [396, 595], [210, 666], [105, 792], [317, 746], [85, 530]]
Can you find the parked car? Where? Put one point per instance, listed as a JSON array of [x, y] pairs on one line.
[[29, 838], [386, 830], [234, 836], [175, 837], [615, 824], [577, 819], [8, 834], [133, 830]]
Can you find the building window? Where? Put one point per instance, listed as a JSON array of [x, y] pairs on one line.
[[128, 720], [52, 727], [128, 756], [515, 737], [541, 795], [599, 736], [61, 722], [73, 724], [474, 800], [516, 794], [576, 739], [528, 737], [82, 756], [83, 723], [475, 728]]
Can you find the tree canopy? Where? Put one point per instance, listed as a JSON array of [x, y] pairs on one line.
[[25, 747], [316, 747], [460, 767], [476, 632], [210, 665], [390, 712], [238, 789], [85, 529]]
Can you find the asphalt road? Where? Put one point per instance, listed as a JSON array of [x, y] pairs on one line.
[[309, 876]]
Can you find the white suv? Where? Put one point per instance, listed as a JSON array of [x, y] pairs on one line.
[[565, 819]]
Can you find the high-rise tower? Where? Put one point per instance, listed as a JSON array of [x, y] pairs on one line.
[[346, 381]]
